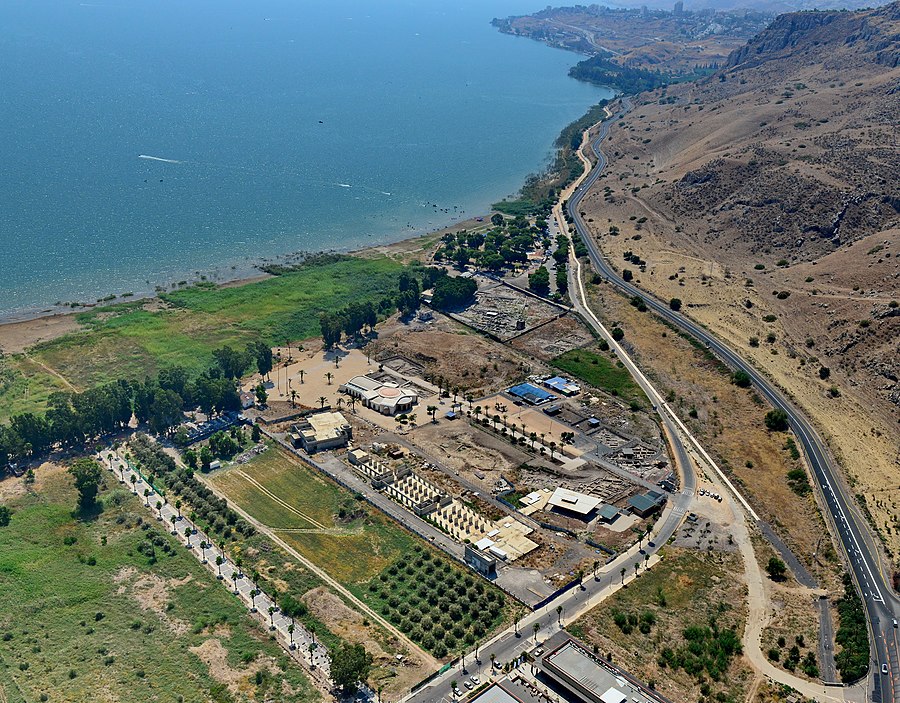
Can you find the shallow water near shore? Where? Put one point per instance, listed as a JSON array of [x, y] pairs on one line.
[[154, 140]]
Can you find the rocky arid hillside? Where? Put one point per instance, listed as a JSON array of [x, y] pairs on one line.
[[767, 198]]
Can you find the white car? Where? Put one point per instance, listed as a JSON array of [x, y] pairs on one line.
[[468, 685], [884, 669], [476, 680]]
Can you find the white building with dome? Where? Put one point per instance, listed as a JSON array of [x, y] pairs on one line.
[[385, 398]]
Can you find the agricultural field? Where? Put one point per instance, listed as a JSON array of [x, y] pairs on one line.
[[379, 562], [601, 371], [434, 602], [315, 516], [678, 625], [89, 610], [183, 327]]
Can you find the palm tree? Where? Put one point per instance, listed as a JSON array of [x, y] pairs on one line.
[[234, 577], [174, 519], [322, 401], [552, 448], [596, 564], [291, 634], [532, 436], [432, 410], [412, 419], [203, 548], [271, 617], [340, 403], [302, 374], [637, 565], [622, 571], [353, 403], [312, 648], [646, 561], [536, 627], [493, 657], [559, 614], [477, 412], [543, 434], [159, 509], [134, 484], [238, 562], [328, 377], [187, 534], [147, 497], [253, 594], [293, 398], [178, 508], [504, 419], [219, 562]]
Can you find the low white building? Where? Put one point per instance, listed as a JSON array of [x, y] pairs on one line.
[[322, 431], [385, 398]]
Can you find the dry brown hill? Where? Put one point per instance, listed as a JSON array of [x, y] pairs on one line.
[[767, 198]]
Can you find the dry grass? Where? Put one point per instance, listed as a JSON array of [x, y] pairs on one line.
[[686, 589], [729, 422]]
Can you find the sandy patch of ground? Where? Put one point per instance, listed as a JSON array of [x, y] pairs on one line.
[[448, 351], [464, 449], [394, 675], [152, 593], [16, 337], [214, 654]]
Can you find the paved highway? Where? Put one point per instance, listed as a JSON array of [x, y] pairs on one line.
[[863, 556]]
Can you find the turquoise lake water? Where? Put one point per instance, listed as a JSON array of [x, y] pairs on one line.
[[283, 126]]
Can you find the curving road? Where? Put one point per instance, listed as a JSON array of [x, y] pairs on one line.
[[881, 603]]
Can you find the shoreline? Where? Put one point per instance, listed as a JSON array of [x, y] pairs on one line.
[[22, 330]]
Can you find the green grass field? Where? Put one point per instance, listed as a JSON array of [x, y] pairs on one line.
[[24, 386], [598, 370], [351, 549], [129, 341], [84, 615]]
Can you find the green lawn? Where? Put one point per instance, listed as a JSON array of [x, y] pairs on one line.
[[86, 614], [598, 370], [129, 341]]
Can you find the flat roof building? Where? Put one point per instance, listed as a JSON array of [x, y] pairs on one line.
[[563, 386], [646, 504], [608, 513], [531, 394], [590, 678], [322, 431], [385, 398], [579, 504]]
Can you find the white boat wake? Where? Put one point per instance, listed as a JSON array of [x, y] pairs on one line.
[[157, 158]]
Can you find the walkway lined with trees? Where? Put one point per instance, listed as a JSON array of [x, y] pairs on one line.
[[292, 635]]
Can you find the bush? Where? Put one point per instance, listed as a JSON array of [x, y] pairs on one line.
[[776, 568], [675, 304], [776, 420], [617, 334], [824, 372], [741, 379]]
